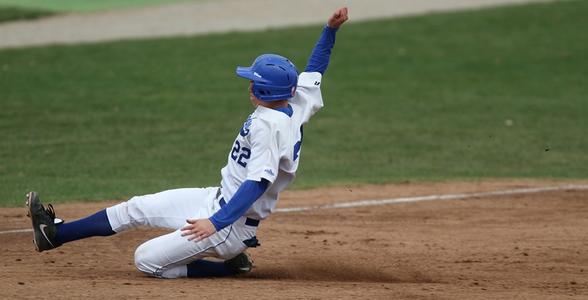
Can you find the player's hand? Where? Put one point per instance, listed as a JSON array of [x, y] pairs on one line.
[[198, 229], [338, 18]]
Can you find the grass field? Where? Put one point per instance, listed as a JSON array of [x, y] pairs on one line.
[[493, 93], [82, 5], [16, 13]]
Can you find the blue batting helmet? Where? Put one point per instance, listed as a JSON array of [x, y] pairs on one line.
[[274, 77]]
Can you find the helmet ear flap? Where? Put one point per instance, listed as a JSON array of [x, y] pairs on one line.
[[260, 91]]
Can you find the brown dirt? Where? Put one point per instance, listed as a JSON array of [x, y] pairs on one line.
[[526, 247]]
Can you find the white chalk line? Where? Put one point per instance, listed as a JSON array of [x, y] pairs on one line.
[[361, 203], [16, 231]]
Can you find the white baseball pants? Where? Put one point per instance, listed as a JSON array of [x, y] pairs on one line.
[[166, 256]]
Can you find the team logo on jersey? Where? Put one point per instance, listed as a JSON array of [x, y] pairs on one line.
[[246, 125]]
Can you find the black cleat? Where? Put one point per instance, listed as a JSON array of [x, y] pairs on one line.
[[241, 264], [43, 220]]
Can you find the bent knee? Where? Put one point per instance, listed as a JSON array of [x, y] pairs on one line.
[[143, 261], [147, 262]]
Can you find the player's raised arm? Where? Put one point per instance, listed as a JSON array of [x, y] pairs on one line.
[[319, 58]]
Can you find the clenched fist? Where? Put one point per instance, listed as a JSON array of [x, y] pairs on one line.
[[338, 18]]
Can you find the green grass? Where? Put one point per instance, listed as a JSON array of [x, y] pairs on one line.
[[421, 98], [82, 5], [17, 14]]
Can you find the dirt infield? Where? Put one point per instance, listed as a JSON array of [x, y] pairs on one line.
[[526, 247], [204, 17]]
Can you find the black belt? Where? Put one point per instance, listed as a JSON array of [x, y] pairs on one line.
[[248, 221]]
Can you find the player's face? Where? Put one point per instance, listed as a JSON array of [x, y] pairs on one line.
[[252, 98]]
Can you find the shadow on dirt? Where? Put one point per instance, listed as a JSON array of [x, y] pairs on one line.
[[335, 271]]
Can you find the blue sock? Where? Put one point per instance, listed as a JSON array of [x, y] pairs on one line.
[[94, 225], [206, 268]]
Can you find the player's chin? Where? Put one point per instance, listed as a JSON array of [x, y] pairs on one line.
[[253, 100]]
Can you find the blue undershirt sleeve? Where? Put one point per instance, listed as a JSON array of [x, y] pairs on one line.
[[246, 195], [319, 58]]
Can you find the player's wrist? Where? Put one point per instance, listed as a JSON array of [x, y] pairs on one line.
[[331, 28], [215, 223]]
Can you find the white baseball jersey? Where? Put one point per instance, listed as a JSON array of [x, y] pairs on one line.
[[268, 146]]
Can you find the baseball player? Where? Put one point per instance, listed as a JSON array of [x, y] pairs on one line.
[[217, 222]]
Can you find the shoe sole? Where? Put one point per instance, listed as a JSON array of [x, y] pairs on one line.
[[244, 269], [30, 196]]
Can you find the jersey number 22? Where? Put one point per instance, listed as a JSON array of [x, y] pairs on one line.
[[240, 154]]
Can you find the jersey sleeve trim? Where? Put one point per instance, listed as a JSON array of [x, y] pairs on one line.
[[310, 79]]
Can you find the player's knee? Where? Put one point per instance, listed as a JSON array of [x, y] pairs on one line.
[[144, 262]]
